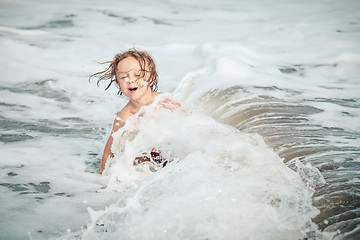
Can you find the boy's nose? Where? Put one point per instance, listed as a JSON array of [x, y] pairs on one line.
[[132, 79]]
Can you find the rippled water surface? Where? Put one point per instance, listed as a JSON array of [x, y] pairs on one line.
[[287, 128], [270, 150]]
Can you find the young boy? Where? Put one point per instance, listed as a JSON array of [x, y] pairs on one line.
[[135, 74]]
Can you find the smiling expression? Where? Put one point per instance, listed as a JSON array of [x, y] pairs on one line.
[[131, 78]]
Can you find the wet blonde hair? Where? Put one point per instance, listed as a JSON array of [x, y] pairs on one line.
[[145, 61]]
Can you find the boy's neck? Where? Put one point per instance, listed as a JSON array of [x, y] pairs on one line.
[[143, 101]]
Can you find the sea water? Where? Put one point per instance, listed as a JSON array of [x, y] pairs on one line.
[[266, 148]]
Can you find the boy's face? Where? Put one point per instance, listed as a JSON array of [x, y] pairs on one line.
[[131, 79]]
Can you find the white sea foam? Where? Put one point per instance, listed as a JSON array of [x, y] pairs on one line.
[[220, 179], [229, 181]]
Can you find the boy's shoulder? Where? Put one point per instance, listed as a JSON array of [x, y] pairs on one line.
[[124, 113]]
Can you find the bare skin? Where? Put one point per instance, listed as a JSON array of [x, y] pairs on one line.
[[139, 93]]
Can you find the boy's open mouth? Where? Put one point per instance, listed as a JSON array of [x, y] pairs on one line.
[[133, 89]]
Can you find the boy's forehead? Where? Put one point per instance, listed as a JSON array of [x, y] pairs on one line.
[[129, 64], [123, 72]]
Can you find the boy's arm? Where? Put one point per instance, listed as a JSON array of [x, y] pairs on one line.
[[107, 153], [118, 123]]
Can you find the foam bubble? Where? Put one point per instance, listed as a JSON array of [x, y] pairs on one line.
[[215, 175], [47, 55]]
